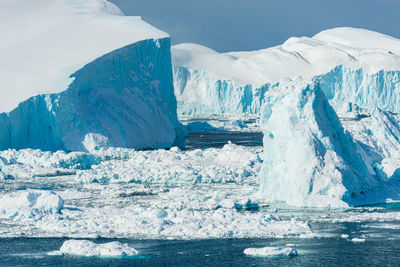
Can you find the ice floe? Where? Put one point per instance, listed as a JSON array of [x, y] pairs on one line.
[[88, 248], [270, 251]]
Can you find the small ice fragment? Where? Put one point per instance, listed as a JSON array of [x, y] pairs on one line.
[[359, 240], [270, 251], [344, 236], [89, 249]]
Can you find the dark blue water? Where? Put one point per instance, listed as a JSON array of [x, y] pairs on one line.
[[203, 140], [381, 250]]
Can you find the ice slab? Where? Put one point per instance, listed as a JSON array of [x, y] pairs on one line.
[[88, 248], [270, 251]]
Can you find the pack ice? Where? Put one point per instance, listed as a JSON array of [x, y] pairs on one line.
[[351, 65], [77, 74]]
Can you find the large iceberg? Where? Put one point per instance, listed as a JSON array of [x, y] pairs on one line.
[[351, 64], [310, 160], [104, 75]]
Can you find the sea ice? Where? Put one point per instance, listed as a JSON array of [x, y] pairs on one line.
[[270, 251], [88, 248], [29, 205], [232, 163]]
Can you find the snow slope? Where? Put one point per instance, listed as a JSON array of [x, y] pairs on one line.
[[116, 71], [208, 82]]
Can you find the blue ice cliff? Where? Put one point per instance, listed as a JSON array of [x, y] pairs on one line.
[[107, 81], [309, 158], [351, 65]]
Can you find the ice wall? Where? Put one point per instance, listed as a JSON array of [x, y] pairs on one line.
[[309, 159], [79, 68], [198, 94], [126, 96], [368, 90], [352, 65]]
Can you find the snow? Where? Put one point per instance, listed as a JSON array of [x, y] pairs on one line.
[[270, 251], [309, 159], [30, 205], [355, 65], [88, 248], [34, 32]]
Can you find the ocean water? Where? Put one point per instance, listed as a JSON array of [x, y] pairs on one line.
[[380, 249]]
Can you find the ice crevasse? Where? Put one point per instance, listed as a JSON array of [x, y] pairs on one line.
[[110, 86]]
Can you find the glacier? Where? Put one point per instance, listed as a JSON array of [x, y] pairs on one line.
[[112, 87], [351, 65]]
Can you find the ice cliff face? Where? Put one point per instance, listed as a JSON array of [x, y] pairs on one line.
[[121, 90], [310, 160], [381, 89], [352, 65]]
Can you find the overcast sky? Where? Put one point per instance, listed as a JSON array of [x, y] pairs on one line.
[[234, 25]]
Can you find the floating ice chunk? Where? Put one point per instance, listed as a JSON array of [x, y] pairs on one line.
[[358, 240], [90, 249], [344, 236], [30, 205], [95, 141], [270, 251], [309, 159]]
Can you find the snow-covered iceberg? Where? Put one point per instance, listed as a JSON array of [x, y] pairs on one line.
[[352, 65], [103, 74], [310, 160]]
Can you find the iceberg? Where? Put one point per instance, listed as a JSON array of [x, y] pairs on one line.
[[113, 78], [88, 248], [270, 251], [309, 159], [352, 65]]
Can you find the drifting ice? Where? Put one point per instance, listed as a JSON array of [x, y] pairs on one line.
[[270, 251], [89, 249]]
